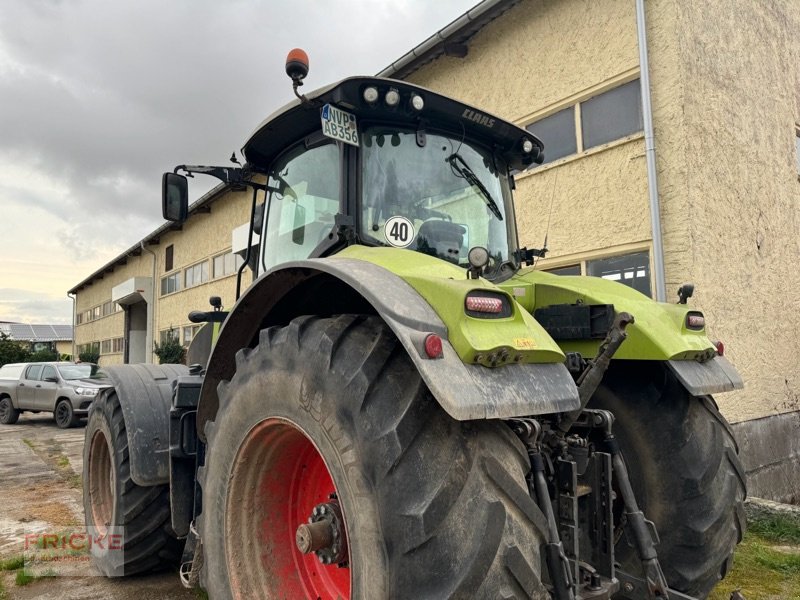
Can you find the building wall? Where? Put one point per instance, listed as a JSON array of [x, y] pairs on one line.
[[98, 293], [64, 347], [735, 230], [203, 236], [537, 58]]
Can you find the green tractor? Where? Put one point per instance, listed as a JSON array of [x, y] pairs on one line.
[[399, 406]]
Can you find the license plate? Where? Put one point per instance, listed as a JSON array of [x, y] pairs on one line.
[[339, 125]]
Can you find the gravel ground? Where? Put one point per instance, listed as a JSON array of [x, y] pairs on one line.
[[40, 491]]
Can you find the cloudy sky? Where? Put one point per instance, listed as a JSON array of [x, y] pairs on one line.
[[98, 98]]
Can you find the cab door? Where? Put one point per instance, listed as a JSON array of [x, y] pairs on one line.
[[26, 389], [46, 390]]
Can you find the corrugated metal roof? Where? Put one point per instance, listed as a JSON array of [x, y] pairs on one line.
[[37, 333]]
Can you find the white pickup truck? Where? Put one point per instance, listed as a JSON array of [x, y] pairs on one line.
[[63, 388]]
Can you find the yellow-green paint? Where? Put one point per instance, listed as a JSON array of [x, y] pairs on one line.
[[659, 331], [445, 287]]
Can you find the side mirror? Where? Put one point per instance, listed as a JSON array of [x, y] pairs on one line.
[[51, 379], [174, 197]]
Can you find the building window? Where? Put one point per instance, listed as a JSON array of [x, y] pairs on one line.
[[168, 258], [189, 332], [170, 283], [110, 307], [168, 334], [105, 347], [631, 269], [570, 270], [603, 118], [117, 345], [611, 115], [196, 274], [226, 264], [557, 132], [78, 318]]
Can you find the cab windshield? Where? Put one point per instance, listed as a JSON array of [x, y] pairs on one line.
[[441, 198]]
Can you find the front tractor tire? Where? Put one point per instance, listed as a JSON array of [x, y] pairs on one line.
[[133, 522], [329, 419], [685, 470]]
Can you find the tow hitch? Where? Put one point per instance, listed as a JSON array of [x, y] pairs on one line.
[[575, 463]]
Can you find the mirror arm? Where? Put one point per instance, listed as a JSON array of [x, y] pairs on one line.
[[234, 176], [249, 244]]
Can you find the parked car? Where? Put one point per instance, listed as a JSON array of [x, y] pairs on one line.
[[65, 389]]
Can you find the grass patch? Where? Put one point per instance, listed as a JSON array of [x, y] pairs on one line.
[[12, 564], [3, 594], [776, 529], [62, 461], [23, 579], [766, 565], [28, 443]]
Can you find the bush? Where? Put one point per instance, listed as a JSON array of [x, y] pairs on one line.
[[43, 356], [12, 351], [170, 352], [89, 356]]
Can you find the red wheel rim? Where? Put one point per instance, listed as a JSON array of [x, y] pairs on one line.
[[278, 477]]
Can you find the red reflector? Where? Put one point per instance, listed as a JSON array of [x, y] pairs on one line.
[[720, 348], [433, 346], [484, 304], [695, 321]]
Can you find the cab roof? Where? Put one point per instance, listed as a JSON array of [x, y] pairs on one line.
[[298, 119]]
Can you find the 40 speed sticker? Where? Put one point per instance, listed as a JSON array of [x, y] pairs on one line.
[[399, 231]]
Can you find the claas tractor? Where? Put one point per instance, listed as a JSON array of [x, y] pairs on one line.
[[400, 405]]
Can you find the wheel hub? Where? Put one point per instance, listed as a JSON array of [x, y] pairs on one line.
[[324, 534]]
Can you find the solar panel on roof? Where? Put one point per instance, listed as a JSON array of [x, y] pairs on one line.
[[20, 331], [42, 331]]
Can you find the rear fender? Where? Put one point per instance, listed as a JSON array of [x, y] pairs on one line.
[[659, 333], [145, 395], [327, 287]]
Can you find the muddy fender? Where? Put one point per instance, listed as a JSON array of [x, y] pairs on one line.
[[465, 391], [145, 395]]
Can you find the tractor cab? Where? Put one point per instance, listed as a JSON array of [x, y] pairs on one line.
[[379, 162]]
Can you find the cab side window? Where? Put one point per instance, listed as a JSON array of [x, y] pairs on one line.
[[34, 373], [48, 371], [302, 213]]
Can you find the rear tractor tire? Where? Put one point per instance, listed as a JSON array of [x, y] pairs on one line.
[[331, 472], [8, 414], [685, 470], [133, 521]]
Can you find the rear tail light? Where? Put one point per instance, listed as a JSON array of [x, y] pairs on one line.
[[485, 304], [720, 348], [695, 320]]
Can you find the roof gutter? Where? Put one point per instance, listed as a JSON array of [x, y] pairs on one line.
[[428, 48], [650, 156]]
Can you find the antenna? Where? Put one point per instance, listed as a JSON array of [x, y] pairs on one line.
[[549, 214]]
